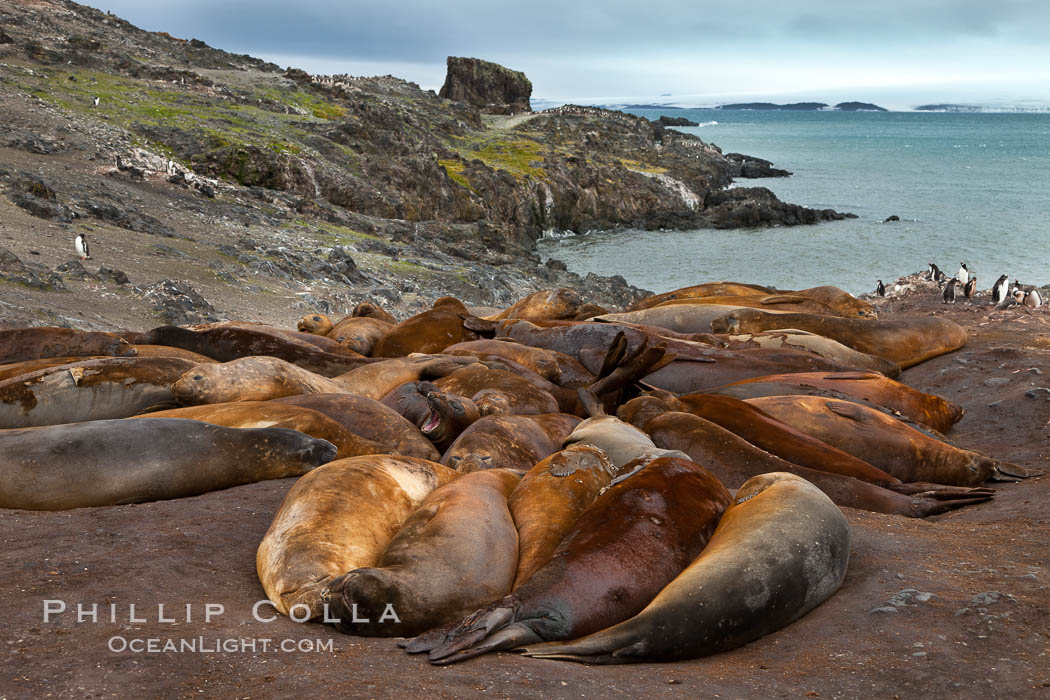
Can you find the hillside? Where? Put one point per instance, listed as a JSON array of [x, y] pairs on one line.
[[217, 184]]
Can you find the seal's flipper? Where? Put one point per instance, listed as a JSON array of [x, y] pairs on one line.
[[1005, 471], [510, 637]]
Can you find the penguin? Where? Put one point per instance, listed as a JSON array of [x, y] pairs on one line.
[[95, 101], [935, 273], [970, 287], [963, 274], [948, 295], [880, 288], [81, 244], [1032, 299], [999, 289]]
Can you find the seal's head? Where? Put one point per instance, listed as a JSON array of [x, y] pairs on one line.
[[318, 324]]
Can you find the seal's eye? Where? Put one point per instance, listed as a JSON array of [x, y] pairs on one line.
[[457, 408], [198, 377], [317, 318]]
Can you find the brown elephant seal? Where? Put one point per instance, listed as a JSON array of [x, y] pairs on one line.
[[774, 302], [699, 291], [550, 499], [811, 342], [779, 551], [20, 344], [113, 462], [497, 392], [621, 442], [267, 414], [928, 409], [458, 551], [367, 309], [906, 342], [884, 441], [440, 416], [360, 333], [734, 460], [561, 303], [17, 369], [431, 331], [839, 299], [319, 324], [599, 575], [542, 362], [779, 438], [335, 519], [169, 351], [371, 420], [380, 378], [110, 387], [509, 442], [227, 343], [681, 318], [249, 379]]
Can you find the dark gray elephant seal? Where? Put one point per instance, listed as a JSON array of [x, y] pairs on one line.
[[779, 551], [112, 462]]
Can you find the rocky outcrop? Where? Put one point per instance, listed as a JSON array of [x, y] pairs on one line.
[[675, 121], [489, 86]]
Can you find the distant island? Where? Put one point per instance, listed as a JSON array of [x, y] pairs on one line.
[[805, 107]]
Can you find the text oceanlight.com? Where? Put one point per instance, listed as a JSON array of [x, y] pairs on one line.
[[200, 645]]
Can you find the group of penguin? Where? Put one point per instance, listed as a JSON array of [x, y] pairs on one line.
[[1002, 292]]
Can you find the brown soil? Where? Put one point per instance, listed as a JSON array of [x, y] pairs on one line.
[[201, 550]]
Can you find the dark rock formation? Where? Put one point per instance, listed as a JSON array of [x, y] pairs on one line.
[[675, 121], [892, 217], [490, 86], [751, 167], [177, 303], [751, 207], [32, 275]]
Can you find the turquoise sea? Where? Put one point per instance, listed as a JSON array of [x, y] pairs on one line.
[[971, 187]]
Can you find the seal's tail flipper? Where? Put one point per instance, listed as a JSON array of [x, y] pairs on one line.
[[609, 646], [939, 491], [1005, 471], [924, 505]]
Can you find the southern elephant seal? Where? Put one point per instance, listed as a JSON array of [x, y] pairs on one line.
[[448, 322], [109, 387], [509, 442], [884, 441], [113, 462], [906, 342], [780, 550], [734, 460], [928, 409], [550, 499], [825, 347], [249, 379], [699, 291], [20, 344], [268, 414], [371, 420], [458, 551], [440, 416], [598, 575], [338, 518]]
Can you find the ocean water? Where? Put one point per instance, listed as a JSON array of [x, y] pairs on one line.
[[967, 187]]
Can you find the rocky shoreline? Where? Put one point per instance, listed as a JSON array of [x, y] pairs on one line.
[[208, 181]]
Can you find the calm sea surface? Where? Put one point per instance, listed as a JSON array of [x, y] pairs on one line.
[[967, 187]]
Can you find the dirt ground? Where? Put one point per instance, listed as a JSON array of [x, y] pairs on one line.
[[953, 606]]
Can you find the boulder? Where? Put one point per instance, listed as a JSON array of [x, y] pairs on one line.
[[489, 86]]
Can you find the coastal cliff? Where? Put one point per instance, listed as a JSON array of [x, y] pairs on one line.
[[183, 161]]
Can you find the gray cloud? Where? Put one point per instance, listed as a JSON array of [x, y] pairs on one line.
[[589, 42]]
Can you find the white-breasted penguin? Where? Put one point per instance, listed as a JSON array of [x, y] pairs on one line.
[[963, 274], [935, 273], [999, 289], [880, 288], [81, 244], [948, 295], [1032, 299], [970, 287]]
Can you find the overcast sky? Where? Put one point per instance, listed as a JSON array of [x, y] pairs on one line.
[[896, 51]]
